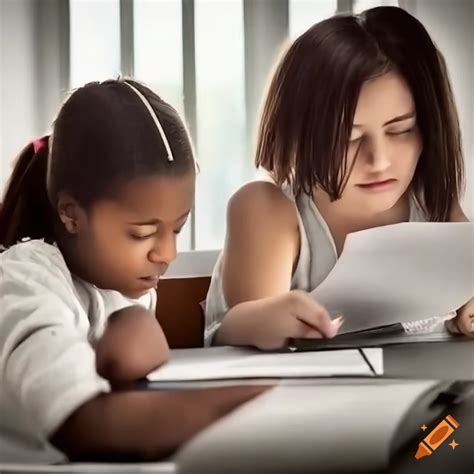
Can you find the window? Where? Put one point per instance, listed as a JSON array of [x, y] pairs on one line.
[[158, 48], [361, 5], [305, 13], [94, 40], [220, 93]]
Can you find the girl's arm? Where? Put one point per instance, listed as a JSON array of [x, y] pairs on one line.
[[261, 248], [133, 344], [144, 425], [49, 368]]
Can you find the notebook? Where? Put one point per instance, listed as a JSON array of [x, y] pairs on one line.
[[235, 363], [377, 337]]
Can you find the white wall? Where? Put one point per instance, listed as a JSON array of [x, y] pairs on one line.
[[34, 70], [451, 24], [18, 89]]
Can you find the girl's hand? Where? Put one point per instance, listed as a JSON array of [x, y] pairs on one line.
[[133, 344], [292, 315], [463, 323]]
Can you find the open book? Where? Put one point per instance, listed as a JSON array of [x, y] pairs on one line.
[[397, 283]]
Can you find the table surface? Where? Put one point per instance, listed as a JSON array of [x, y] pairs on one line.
[[441, 360], [447, 361]]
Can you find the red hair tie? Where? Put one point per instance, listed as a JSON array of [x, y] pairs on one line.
[[40, 143]]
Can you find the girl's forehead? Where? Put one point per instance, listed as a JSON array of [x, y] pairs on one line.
[[383, 98], [155, 197], [158, 182]]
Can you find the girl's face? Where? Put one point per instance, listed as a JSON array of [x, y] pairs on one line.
[[387, 141], [127, 243]]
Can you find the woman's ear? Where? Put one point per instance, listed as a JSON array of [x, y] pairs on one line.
[[70, 213]]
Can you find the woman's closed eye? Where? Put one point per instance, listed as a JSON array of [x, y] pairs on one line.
[[180, 228], [401, 132]]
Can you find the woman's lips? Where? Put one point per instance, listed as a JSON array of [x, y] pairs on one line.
[[378, 185]]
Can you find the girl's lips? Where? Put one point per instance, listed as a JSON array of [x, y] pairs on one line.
[[151, 281], [378, 185]]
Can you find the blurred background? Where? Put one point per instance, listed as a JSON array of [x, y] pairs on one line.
[[209, 58]]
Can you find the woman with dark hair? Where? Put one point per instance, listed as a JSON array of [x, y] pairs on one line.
[[89, 223], [359, 129]]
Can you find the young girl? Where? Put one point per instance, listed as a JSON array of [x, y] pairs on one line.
[[359, 130], [89, 223]]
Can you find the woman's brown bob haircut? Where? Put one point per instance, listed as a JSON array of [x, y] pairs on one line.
[[309, 109]]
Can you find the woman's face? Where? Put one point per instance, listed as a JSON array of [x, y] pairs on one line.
[[387, 142]]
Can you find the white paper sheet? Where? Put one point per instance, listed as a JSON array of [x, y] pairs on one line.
[[400, 273], [224, 363]]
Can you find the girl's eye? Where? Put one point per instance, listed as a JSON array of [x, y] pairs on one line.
[[401, 132], [141, 237]]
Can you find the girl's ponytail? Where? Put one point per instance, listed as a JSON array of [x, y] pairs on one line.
[[26, 211]]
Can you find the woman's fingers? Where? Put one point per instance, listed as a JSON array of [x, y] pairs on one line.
[[303, 330], [313, 314], [463, 323]]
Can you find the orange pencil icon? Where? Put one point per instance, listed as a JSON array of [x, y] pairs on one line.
[[436, 437]]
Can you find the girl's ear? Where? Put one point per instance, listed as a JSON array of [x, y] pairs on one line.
[[70, 213]]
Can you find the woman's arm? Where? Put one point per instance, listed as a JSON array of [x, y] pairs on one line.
[[261, 248], [133, 344], [144, 425], [262, 224]]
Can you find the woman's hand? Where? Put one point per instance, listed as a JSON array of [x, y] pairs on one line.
[[269, 323], [463, 323], [133, 344], [295, 315]]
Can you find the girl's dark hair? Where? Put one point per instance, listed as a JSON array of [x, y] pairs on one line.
[[309, 109], [103, 136]]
